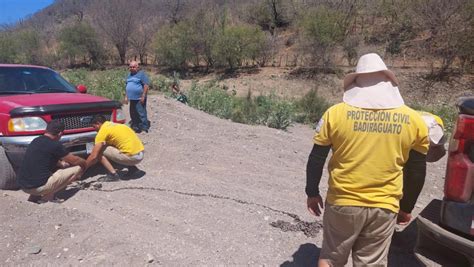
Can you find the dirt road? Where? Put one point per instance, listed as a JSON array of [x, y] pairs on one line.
[[213, 193]]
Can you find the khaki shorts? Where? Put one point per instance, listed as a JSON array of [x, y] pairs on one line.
[[367, 232], [57, 181], [115, 155]]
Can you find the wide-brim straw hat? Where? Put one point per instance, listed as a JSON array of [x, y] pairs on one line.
[[374, 94]]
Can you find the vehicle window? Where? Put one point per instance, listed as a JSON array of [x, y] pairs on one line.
[[3, 82], [10, 81], [17, 80]]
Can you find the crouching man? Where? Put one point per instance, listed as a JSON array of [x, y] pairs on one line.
[[47, 167], [115, 142]]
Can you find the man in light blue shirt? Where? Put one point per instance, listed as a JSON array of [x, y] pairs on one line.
[[137, 85]]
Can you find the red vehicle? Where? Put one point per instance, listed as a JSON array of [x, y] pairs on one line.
[[30, 97], [446, 227]]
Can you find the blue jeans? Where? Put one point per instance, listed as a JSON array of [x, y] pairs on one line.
[[139, 116]]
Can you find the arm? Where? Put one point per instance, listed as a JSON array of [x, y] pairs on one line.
[[436, 151], [314, 171], [145, 92], [95, 155], [125, 97], [414, 174], [73, 160]]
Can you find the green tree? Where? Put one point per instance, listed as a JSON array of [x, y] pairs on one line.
[[172, 45], [268, 14], [449, 26], [321, 30], [8, 49], [80, 41], [396, 22], [238, 43], [28, 44], [118, 19], [203, 30]]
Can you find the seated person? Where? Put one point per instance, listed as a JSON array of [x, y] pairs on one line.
[[180, 96], [38, 174], [115, 142]]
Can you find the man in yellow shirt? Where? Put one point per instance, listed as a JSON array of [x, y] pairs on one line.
[[115, 142], [372, 135]]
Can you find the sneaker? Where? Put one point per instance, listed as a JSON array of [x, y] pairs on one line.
[[42, 199], [57, 200], [132, 170], [111, 177], [34, 199]]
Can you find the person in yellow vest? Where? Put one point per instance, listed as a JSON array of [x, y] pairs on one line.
[[118, 143], [373, 135], [436, 151]]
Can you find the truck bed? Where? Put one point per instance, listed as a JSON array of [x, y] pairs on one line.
[[438, 246]]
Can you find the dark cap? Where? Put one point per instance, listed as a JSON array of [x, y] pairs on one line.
[[55, 127]]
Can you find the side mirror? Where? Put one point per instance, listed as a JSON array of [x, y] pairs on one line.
[[81, 88]]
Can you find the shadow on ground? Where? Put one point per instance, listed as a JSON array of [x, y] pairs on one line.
[[401, 251], [121, 169], [306, 255], [100, 171]]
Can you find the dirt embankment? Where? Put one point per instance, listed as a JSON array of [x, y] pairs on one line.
[[213, 193], [294, 83]]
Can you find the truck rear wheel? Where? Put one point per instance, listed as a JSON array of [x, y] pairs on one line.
[[7, 174]]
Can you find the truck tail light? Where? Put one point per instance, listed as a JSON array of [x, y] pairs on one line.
[[460, 169], [464, 128]]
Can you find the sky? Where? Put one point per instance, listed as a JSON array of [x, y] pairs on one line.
[[13, 10]]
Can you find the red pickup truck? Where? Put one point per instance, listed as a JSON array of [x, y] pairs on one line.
[[30, 97], [446, 227]]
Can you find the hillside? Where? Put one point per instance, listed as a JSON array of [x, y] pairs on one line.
[[213, 193], [214, 34], [295, 83]]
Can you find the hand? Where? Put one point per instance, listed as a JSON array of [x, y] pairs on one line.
[[142, 99], [125, 101], [79, 175], [62, 164], [315, 205], [403, 218]]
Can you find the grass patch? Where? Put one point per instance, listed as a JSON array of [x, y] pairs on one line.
[[311, 107], [111, 83], [107, 83], [270, 110], [211, 99]]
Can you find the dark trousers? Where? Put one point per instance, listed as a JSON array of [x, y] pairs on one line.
[[139, 116]]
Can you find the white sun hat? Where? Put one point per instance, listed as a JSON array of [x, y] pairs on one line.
[[372, 85]]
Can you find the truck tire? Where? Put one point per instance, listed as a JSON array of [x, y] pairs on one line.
[[7, 174]]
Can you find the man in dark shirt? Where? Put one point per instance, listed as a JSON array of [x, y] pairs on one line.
[[39, 175]]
